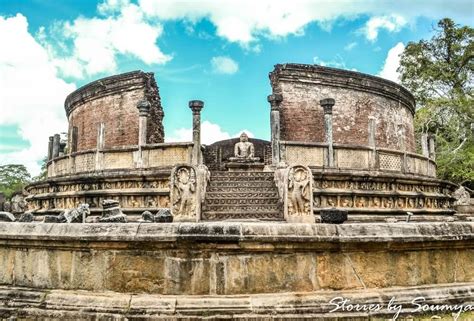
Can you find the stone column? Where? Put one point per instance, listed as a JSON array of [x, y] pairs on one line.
[[196, 106], [431, 146], [424, 145], [401, 137], [100, 146], [50, 148], [143, 109], [372, 144], [327, 105], [56, 143], [275, 101]]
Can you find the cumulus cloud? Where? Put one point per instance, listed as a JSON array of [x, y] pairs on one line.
[[245, 21], [210, 133], [31, 95], [392, 23], [392, 62], [224, 65], [96, 42]]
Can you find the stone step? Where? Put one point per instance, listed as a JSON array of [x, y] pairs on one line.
[[216, 190], [251, 178], [246, 201], [240, 174], [226, 215], [241, 208], [241, 194], [243, 184]]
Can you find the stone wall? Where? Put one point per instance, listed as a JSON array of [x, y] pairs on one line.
[[112, 101], [234, 258], [358, 97]]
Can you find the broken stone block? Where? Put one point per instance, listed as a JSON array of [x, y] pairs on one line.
[[163, 216], [77, 215], [333, 216], [7, 217], [147, 217], [112, 213], [26, 217], [18, 204], [54, 218]]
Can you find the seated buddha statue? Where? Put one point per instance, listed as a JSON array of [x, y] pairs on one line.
[[244, 151]]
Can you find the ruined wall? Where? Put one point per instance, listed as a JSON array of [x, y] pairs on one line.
[[113, 102], [358, 97]]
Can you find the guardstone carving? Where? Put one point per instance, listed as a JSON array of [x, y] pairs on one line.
[[298, 195], [184, 190]]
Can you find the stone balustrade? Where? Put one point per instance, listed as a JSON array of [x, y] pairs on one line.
[[353, 157], [133, 157]]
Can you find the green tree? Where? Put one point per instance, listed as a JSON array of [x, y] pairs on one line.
[[13, 178], [440, 74], [44, 170]]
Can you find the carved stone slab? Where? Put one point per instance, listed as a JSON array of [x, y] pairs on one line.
[[298, 195], [185, 194]]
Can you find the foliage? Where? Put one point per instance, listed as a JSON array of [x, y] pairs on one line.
[[440, 74], [44, 170], [13, 178]]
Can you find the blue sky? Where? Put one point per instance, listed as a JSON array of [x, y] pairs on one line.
[[217, 51]]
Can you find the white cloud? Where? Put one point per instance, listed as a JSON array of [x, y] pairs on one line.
[[392, 23], [392, 62], [224, 65], [245, 21], [350, 46], [31, 95], [210, 133], [337, 62], [95, 43]]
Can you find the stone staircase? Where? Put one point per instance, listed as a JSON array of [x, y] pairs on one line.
[[241, 195]]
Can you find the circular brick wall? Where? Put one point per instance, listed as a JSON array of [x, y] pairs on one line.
[[358, 96], [112, 101]]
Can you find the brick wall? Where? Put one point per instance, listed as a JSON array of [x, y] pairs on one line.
[[113, 101], [357, 98]]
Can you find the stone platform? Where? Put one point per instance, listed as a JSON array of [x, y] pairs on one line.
[[229, 269]]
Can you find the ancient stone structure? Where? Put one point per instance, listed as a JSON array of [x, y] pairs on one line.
[[298, 195], [234, 229]]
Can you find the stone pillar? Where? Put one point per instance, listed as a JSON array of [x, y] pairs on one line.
[[143, 109], [424, 145], [56, 143], [100, 146], [196, 106], [327, 105], [50, 148], [431, 146], [372, 144], [401, 137], [275, 101]]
